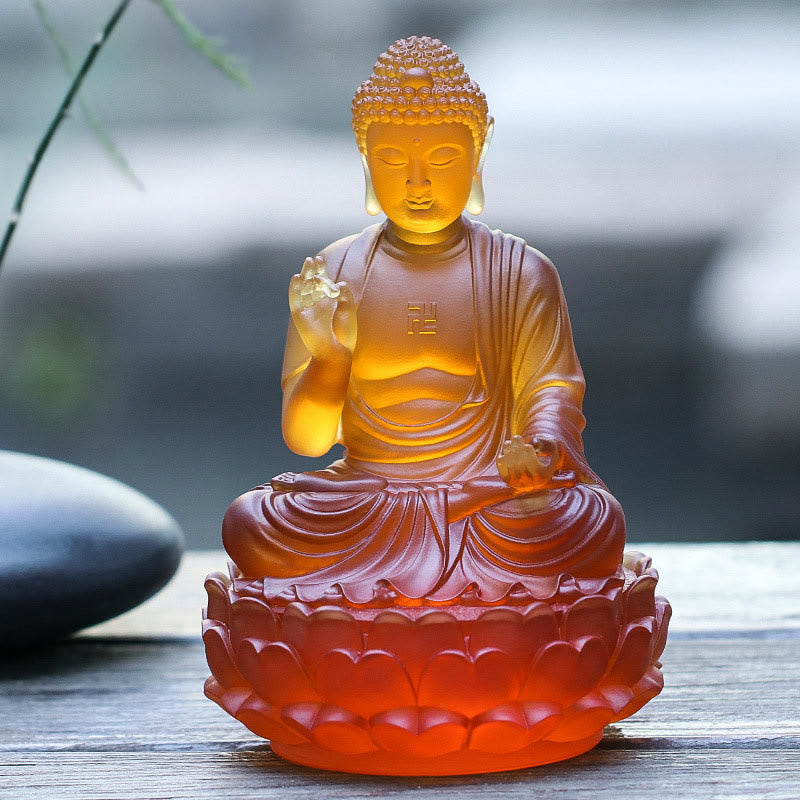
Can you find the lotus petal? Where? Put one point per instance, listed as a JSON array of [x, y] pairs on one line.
[[341, 731], [318, 633], [617, 697], [229, 699], [419, 732], [521, 637], [651, 683], [663, 616], [219, 656], [636, 562], [252, 619], [301, 716], [513, 726], [634, 655], [213, 689], [563, 671], [262, 719], [458, 682], [640, 597], [586, 717], [594, 615], [330, 727], [365, 684], [415, 642], [275, 673], [500, 730], [540, 718], [218, 601]]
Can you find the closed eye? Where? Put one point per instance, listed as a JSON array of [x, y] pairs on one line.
[[444, 156], [390, 156]]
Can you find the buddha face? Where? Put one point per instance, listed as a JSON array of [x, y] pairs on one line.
[[422, 174]]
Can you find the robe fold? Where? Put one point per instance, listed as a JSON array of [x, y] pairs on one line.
[[362, 525]]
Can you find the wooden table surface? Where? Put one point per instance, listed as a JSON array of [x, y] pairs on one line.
[[119, 712]]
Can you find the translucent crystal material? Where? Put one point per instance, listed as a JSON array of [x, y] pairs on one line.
[[451, 596]]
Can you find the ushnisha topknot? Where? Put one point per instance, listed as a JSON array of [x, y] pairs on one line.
[[419, 81]]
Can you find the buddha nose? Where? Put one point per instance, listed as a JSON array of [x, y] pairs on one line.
[[418, 182]]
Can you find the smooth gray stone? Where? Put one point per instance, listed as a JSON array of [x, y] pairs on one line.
[[76, 548]]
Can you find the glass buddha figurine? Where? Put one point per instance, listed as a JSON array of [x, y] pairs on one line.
[[451, 596]]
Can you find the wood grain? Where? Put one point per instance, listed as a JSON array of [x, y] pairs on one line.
[[109, 696], [119, 711], [617, 773], [742, 587]]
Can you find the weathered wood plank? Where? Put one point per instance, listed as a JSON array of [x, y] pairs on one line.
[[712, 587], [119, 712], [603, 773], [144, 696]]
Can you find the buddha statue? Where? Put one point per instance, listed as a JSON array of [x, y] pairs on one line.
[[439, 353]]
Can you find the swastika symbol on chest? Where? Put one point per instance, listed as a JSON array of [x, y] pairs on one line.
[[422, 319]]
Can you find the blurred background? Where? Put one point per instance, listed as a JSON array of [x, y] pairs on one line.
[[651, 149]]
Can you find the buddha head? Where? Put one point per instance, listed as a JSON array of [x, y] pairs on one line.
[[423, 130]]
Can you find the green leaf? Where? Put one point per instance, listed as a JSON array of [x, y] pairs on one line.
[[92, 119], [231, 66], [114, 153]]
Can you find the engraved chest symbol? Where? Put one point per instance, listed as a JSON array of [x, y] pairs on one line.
[[422, 318]]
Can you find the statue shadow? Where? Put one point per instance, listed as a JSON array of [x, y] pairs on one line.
[[614, 750], [81, 655]]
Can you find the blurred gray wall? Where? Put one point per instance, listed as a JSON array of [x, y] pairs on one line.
[[649, 148]]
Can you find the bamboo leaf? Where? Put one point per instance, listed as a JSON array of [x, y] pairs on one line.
[[107, 143], [92, 119], [55, 123], [231, 66]]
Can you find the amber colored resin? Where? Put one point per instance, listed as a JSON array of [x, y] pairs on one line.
[[451, 596]]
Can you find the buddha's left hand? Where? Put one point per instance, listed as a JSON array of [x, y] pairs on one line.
[[527, 467]]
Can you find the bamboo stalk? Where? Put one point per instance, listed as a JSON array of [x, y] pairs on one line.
[[61, 114]]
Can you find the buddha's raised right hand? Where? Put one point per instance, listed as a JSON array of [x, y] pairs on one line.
[[323, 311]]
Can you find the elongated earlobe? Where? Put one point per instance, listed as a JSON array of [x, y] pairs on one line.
[[477, 198], [370, 198]]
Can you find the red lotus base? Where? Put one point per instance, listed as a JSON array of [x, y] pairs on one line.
[[418, 689]]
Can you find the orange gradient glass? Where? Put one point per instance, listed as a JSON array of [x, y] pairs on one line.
[[452, 595]]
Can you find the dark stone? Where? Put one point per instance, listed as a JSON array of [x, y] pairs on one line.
[[76, 548]]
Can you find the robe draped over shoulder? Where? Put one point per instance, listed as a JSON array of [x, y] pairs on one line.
[[363, 524]]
